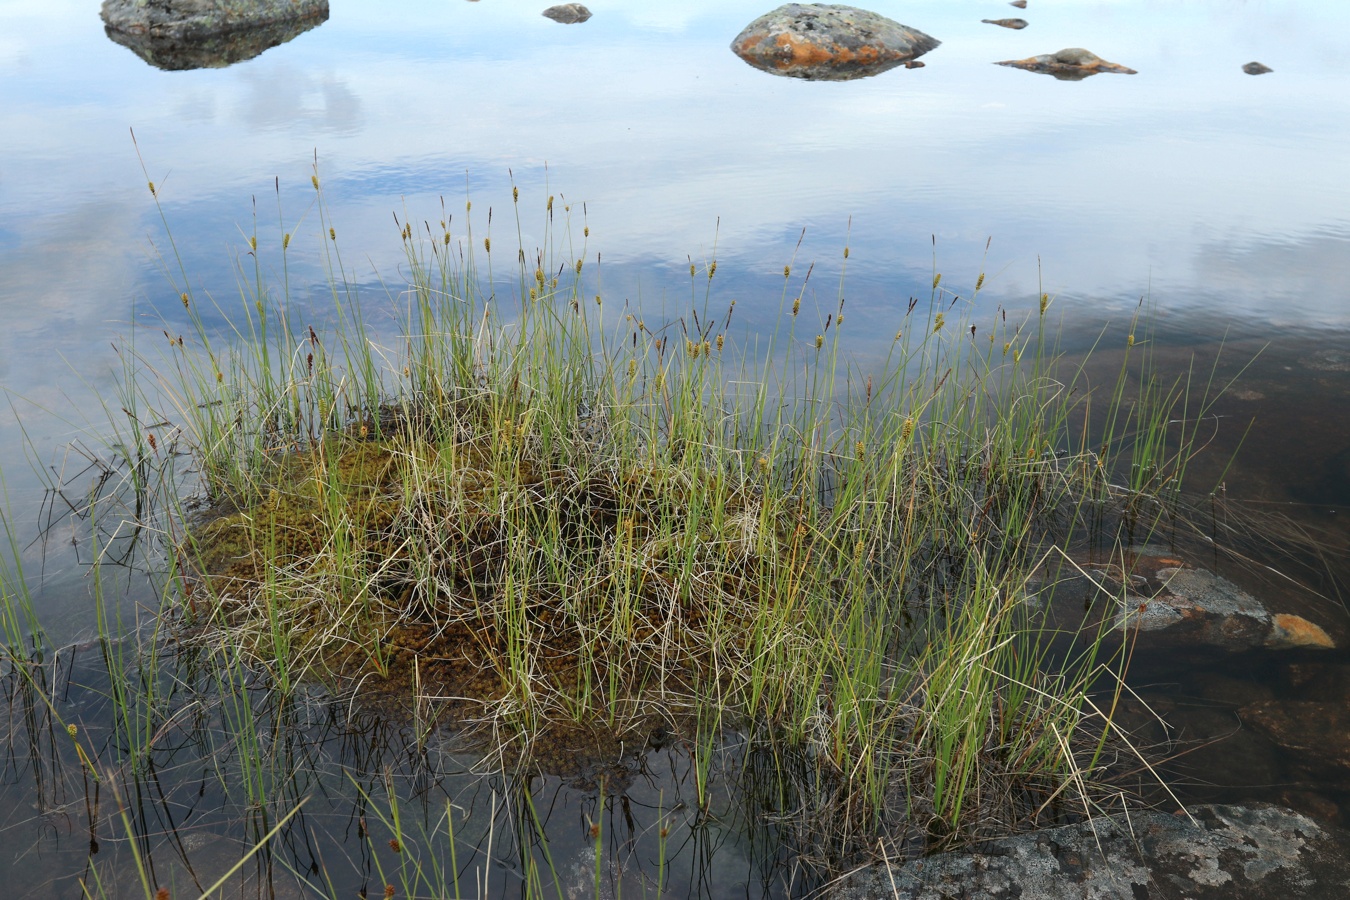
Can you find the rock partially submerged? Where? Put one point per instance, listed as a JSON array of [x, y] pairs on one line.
[[194, 34], [1256, 68], [1163, 602], [1208, 609], [1255, 853], [1014, 24], [1069, 64], [568, 13], [828, 42]]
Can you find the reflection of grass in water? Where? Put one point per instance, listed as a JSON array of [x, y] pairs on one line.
[[537, 519]]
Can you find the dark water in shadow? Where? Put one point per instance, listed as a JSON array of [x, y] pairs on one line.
[[209, 777]]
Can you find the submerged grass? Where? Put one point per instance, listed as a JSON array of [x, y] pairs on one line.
[[559, 526]]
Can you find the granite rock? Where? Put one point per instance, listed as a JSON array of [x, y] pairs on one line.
[[828, 42]]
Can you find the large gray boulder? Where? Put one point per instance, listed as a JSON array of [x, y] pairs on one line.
[[192, 34], [1230, 852], [828, 42]]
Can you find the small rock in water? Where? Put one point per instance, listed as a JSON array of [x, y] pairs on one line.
[[568, 13], [1069, 64], [828, 42], [1256, 68], [1015, 24], [1020, 4]]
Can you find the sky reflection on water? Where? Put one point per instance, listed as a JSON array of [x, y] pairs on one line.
[[1214, 193]]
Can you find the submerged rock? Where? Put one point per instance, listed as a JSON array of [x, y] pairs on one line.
[[568, 13], [1014, 24], [194, 34], [1256, 68], [1069, 64], [1255, 853], [828, 42], [1316, 734]]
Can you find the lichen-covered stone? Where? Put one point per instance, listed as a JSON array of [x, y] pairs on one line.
[[828, 42], [1212, 610], [1163, 601], [193, 34], [1250, 853], [1069, 64]]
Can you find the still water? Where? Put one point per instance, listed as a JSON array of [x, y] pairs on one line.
[[1220, 197]]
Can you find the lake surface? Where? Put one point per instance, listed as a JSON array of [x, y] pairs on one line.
[[1220, 197]]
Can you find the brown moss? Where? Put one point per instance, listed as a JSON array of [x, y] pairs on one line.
[[436, 525]]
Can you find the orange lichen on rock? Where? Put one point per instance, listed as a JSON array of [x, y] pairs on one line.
[[828, 43], [1290, 631]]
